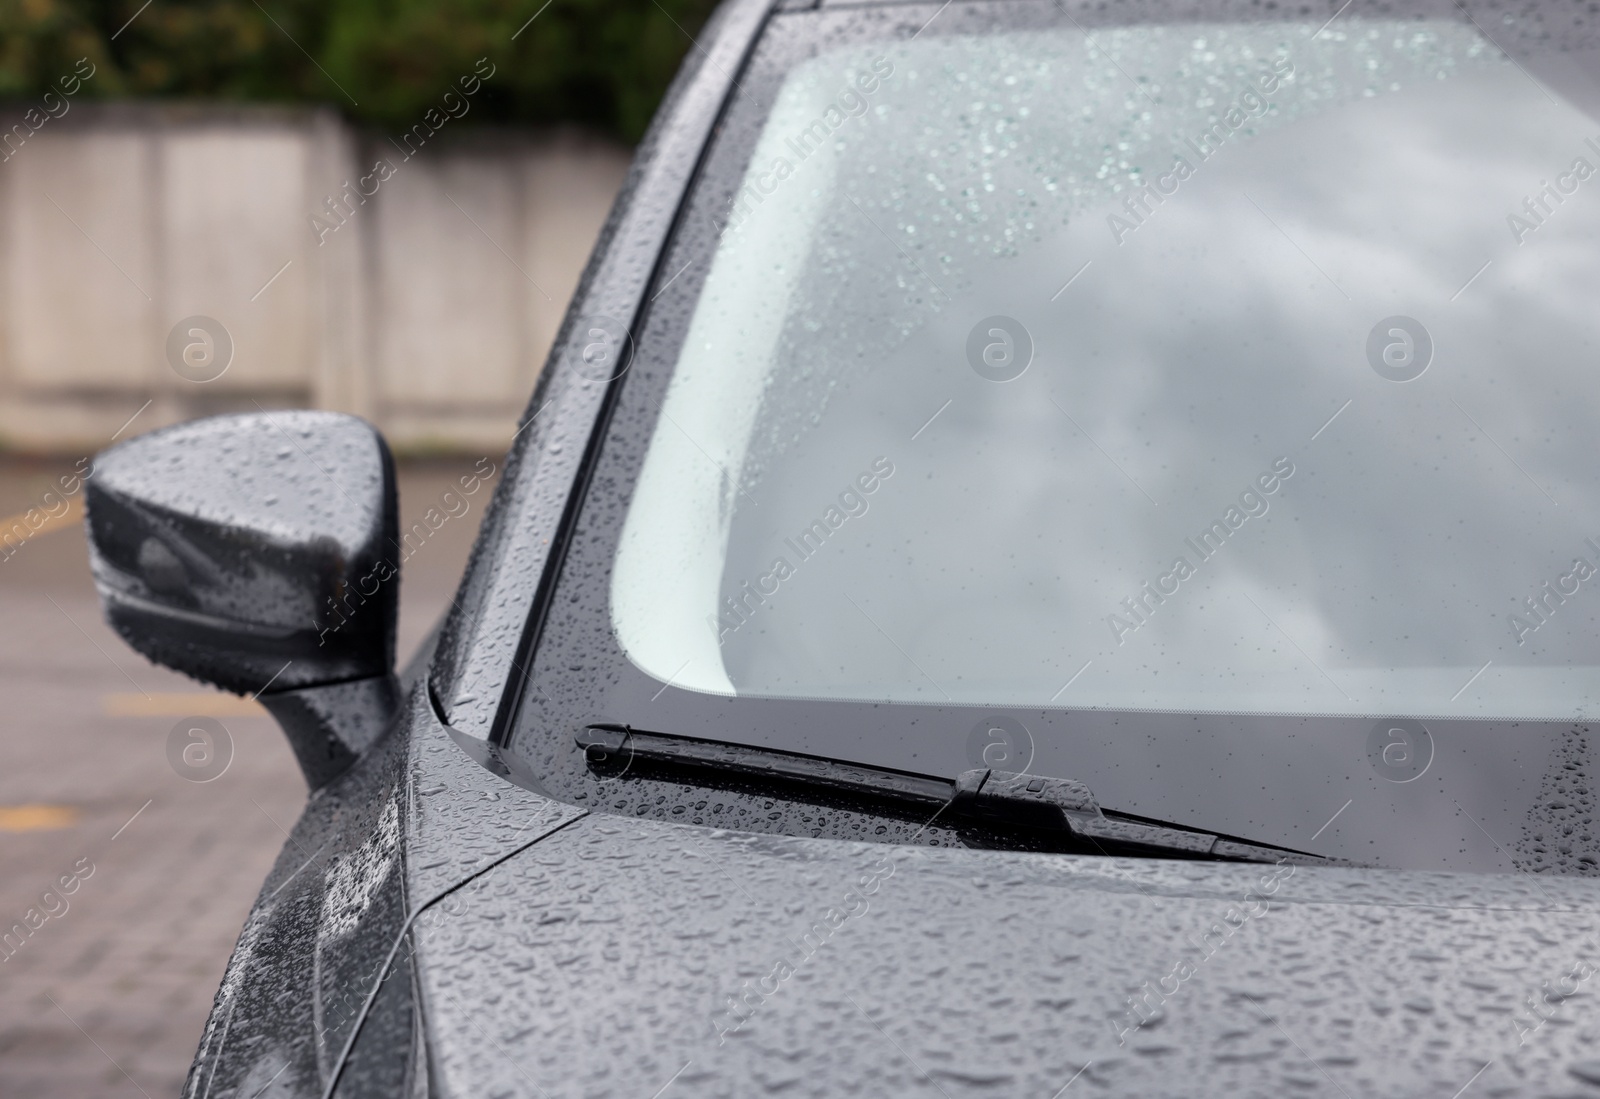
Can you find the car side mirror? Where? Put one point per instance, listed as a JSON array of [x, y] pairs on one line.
[[254, 552]]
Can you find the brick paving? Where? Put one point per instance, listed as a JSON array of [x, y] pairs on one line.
[[107, 995]]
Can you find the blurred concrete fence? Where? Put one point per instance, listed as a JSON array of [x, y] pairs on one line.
[[422, 294]]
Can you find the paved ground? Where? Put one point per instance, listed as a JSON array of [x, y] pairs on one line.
[[108, 993]]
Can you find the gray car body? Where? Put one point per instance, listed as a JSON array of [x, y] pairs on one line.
[[438, 926], [449, 932]]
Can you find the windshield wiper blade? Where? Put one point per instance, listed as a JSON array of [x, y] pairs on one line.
[[1047, 813], [615, 750]]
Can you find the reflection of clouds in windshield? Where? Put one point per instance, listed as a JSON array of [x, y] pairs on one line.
[[987, 145], [1213, 341]]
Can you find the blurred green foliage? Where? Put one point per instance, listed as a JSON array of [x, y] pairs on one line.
[[603, 63]]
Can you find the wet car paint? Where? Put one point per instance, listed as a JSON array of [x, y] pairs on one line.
[[544, 950]]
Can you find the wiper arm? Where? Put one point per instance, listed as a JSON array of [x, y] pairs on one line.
[[1064, 804], [1056, 814]]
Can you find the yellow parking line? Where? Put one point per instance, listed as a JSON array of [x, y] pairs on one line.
[[179, 704], [73, 514], [36, 818]]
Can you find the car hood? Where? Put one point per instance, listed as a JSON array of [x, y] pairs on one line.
[[636, 958]]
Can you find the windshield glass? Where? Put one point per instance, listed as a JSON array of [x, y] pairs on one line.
[[1018, 355], [1126, 397]]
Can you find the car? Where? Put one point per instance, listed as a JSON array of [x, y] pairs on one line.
[[1053, 555]]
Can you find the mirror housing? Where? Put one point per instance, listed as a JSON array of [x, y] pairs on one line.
[[252, 552]]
